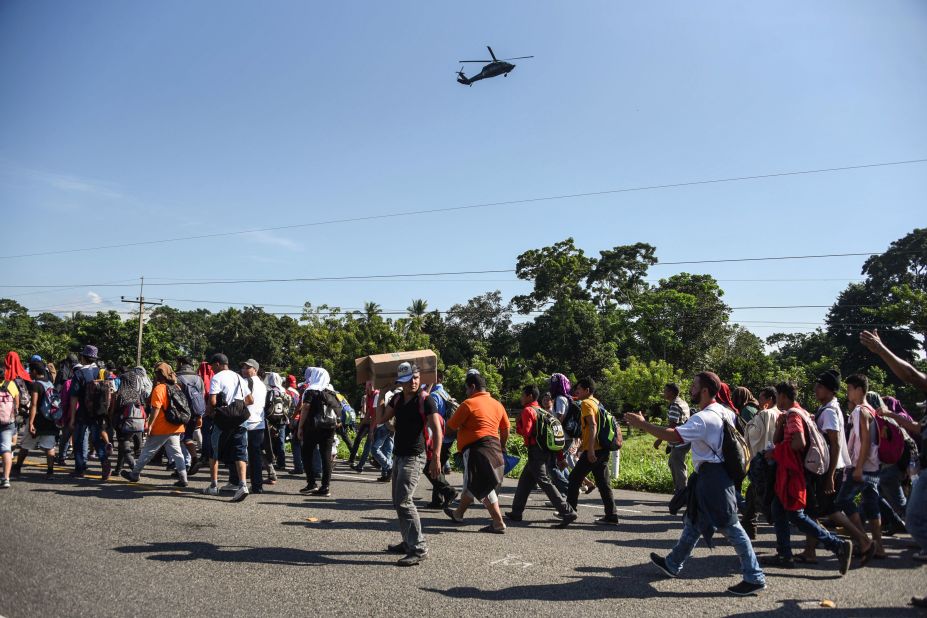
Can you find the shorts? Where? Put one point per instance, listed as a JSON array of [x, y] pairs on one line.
[[868, 490], [6, 438], [232, 445], [42, 442], [821, 504]]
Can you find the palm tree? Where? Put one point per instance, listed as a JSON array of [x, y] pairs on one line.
[[372, 310], [418, 308]]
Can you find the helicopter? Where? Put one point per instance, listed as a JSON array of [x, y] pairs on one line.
[[494, 68]]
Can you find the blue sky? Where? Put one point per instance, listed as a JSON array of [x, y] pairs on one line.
[[125, 121]]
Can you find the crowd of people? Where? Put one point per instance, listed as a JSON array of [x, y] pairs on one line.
[[821, 472]]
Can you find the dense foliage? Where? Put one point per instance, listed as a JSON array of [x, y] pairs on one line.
[[594, 316]]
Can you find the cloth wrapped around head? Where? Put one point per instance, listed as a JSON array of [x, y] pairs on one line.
[[164, 373], [317, 379]]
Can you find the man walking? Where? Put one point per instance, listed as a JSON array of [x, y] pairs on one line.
[[229, 444], [534, 474], [414, 412], [677, 414], [713, 496], [255, 427], [89, 403], [591, 458]]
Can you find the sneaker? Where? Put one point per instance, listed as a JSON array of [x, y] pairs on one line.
[[411, 559], [567, 518], [297, 472], [195, 467], [844, 556], [270, 482], [229, 487], [107, 470], [127, 475], [324, 492], [211, 490], [4, 483], [512, 516], [310, 487], [608, 520], [49, 473], [257, 490], [746, 589], [384, 478], [181, 483], [434, 505], [241, 494], [778, 561], [660, 563], [398, 548]]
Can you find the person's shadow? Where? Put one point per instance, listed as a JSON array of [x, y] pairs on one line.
[[598, 585], [195, 550]]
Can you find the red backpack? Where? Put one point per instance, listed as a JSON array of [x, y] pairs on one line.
[[891, 439]]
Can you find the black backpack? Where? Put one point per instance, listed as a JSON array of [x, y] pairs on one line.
[[229, 415], [275, 407], [572, 420], [178, 406]]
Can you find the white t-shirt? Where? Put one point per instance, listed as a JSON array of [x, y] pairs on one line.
[[256, 420], [703, 432], [230, 384], [561, 405], [830, 418]]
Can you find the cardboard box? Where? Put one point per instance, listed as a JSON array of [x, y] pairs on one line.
[[381, 368]]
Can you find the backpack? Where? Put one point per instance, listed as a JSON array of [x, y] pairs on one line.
[[50, 404], [429, 439], [195, 399], [323, 416], [131, 418], [609, 434], [891, 440], [450, 404], [572, 420], [7, 410], [178, 406], [911, 452], [817, 448], [229, 415], [25, 397], [734, 452], [348, 416], [548, 431], [275, 407], [96, 397]]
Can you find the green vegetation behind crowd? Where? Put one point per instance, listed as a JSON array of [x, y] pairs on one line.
[[595, 316]]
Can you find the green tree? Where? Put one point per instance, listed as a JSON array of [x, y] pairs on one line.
[[557, 272], [636, 383]]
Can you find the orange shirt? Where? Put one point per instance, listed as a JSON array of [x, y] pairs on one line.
[[477, 417], [159, 400]]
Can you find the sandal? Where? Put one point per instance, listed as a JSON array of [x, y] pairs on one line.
[[492, 529], [450, 513]]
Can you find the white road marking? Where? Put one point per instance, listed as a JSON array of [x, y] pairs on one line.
[[513, 560]]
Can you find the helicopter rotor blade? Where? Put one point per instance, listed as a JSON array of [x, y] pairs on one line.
[[480, 61], [491, 53], [519, 58]]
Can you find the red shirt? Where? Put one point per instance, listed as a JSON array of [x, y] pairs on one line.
[[525, 427]]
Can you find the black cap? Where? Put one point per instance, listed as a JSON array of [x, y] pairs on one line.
[[830, 379], [219, 358]]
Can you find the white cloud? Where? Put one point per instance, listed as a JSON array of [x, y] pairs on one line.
[[66, 183], [275, 239], [95, 299]]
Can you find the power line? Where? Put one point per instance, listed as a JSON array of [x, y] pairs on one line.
[[430, 211]]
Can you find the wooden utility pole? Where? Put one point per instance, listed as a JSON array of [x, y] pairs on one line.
[[141, 317]]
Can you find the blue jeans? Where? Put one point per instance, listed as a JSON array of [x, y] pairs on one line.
[[558, 477], [83, 429], [735, 534], [207, 430], [297, 450], [916, 518], [368, 446], [890, 478], [383, 449], [781, 521], [868, 490]]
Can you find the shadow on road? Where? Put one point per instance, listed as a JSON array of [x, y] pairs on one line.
[[794, 607], [599, 585], [195, 550]]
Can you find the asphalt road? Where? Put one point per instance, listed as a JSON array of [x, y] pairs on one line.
[[82, 548]]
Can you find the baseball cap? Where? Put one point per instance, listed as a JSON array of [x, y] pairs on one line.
[[473, 372], [36, 358], [219, 358], [251, 363], [404, 372]]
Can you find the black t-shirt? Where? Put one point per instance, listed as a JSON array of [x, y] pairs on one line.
[[409, 440], [43, 426]]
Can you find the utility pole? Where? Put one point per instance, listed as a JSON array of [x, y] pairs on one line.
[[141, 317]]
